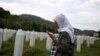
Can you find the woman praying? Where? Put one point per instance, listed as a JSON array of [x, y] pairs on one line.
[[63, 45]]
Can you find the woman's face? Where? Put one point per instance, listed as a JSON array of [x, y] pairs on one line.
[[56, 24]]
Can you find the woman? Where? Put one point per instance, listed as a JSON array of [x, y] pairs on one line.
[[64, 45]]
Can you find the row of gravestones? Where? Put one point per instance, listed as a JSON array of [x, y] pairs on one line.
[[30, 36], [5, 34], [81, 39]]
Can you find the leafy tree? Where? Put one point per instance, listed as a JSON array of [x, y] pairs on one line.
[[99, 33]]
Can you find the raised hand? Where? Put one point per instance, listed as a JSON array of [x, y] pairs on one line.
[[52, 36]]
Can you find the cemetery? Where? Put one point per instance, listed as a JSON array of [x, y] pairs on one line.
[[31, 43], [28, 27]]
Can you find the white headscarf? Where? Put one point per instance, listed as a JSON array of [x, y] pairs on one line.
[[64, 25]]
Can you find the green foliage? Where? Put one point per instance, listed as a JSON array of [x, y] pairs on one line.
[[4, 13], [40, 49], [32, 22], [7, 47], [25, 22], [89, 51], [84, 32]]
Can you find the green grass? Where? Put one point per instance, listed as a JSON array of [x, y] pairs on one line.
[[89, 51], [40, 49], [7, 47]]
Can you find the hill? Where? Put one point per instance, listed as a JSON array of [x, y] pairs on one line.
[[31, 22]]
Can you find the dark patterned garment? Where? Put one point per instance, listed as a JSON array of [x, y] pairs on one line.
[[64, 46], [53, 49]]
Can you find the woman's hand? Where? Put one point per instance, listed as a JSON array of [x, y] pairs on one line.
[[52, 36]]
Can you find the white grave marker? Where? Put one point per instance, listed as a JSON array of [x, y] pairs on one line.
[[78, 48], [1, 36], [32, 39], [5, 35], [27, 36], [92, 39], [48, 43], [19, 41], [88, 41]]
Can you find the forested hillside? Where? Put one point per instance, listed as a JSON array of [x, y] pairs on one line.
[[31, 22], [25, 22]]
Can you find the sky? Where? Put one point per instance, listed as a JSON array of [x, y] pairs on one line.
[[82, 14]]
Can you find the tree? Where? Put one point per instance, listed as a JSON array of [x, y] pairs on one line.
[[99, 33], [4, 13]]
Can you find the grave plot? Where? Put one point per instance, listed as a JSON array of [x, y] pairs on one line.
[[37, 46], [81, 39], [19, 42]]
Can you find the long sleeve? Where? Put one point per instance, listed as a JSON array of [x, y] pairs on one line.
[[63, 42]]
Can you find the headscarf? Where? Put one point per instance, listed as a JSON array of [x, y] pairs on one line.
[[64, 25]]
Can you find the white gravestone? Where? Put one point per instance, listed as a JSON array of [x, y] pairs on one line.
[[92, 39], [82, 39], [1, 36], [5, 35], [78, 41], [36, 35], [39, 35], [48, 43], [19, 41], [88, 41], [11, 33], [43, 36], [32, 39], [27, 36]]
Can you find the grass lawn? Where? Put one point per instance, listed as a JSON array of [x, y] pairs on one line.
[[40, 49], [89, 51]]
